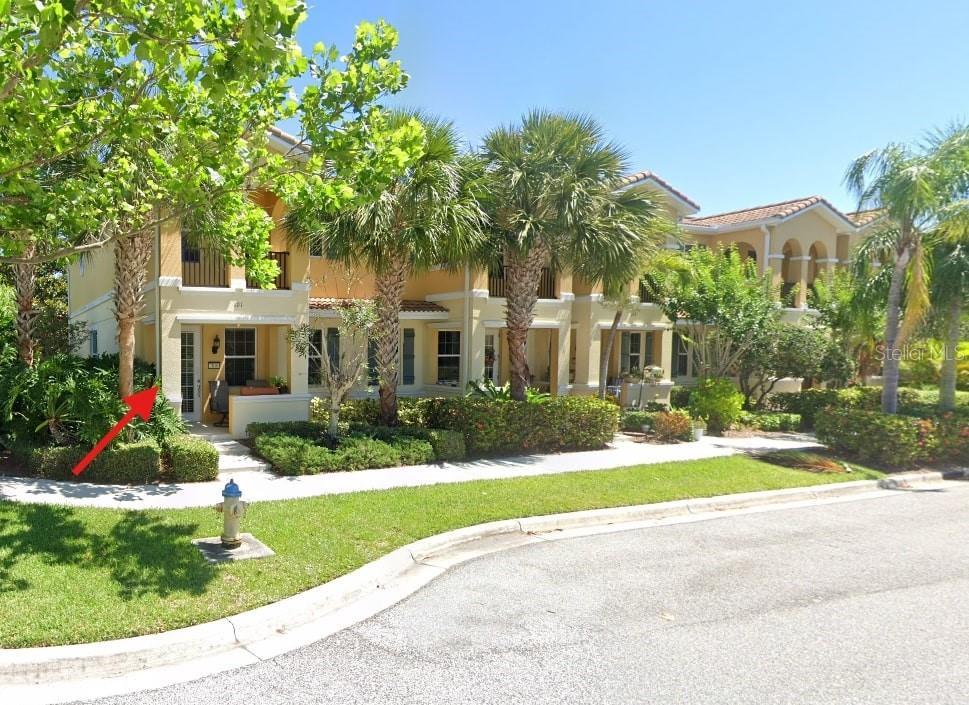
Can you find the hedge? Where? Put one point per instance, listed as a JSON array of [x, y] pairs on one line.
[[301, 429], [559, 423], [894, 439], [635, 420], [810, 402], [294, 455], [137, 463], [448, 445], [770, 420], [444, 445], [192, 459]]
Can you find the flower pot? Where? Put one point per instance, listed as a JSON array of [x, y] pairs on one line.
[[698, 432]]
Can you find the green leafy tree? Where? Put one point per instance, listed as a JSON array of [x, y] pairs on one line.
[[426, 216], [721, 305], [950, 292], [552, 199]]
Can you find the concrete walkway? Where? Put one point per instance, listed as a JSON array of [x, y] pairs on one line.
[[261, 485]]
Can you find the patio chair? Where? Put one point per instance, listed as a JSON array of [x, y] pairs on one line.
[[219, 400]]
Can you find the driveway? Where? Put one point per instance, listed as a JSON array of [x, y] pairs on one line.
[[856, 602]]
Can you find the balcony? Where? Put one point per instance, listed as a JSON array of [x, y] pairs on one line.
[[204, 267], [546, 284], [282, 279]]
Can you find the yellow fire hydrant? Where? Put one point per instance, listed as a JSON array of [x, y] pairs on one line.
[[233, 509]]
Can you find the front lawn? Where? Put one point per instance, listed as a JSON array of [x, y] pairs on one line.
[[77, 575]]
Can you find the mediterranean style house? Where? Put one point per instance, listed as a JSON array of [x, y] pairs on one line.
[[203, 321]]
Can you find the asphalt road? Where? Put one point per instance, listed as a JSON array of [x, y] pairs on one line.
[[857, 602]]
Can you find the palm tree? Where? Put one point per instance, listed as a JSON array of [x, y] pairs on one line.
[[553, 201], [427, 216], [950, 292], [911, 186]]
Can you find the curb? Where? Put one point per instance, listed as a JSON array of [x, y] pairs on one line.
[[65, 673]]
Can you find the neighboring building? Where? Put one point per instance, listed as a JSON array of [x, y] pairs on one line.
[[203, 321]]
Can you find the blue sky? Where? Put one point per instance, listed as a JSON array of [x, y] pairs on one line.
[[735, 103]]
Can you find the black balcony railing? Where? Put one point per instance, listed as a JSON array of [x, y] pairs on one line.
[[282, 279], [203, 267], [645, 295], [546, 284]]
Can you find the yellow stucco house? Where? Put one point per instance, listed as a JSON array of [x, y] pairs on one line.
[[203, 321]]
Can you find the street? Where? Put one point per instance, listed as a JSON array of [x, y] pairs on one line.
[[854, 602]]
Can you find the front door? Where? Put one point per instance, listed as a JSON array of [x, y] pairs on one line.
[[190, 374]]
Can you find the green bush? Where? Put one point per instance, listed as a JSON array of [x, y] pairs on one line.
[[137, 463], [635, 420], [560, 423], [717, 402], [871, 435], [413, 451], [361, 453], [301, 429], [294, 455], [448, 445], [680, 397], [810, 402], [192, 459], [770, 420], [673, 425]]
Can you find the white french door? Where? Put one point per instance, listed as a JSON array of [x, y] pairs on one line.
[[191, 374]]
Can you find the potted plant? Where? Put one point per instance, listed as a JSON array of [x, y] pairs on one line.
[[650, 375], [699, 428], [280, 384]]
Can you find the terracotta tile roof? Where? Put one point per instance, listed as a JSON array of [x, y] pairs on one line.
[[864, 217], [639, 176], [407, 305], [283, 135], [780, 210]]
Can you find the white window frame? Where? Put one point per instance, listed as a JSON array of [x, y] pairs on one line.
[[254, 357], [439, 355]]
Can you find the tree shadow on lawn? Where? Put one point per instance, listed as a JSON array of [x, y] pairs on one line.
[[145, 554]]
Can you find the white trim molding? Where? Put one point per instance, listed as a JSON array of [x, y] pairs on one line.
[[537, 324], [594, 298], [170, 281], [233, 318]]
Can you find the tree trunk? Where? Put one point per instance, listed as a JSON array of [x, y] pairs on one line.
[[131, 255], [333, 429], [607, 353], [25, 281], [950, 348], [892, 355], [523, 272], [390, 293]]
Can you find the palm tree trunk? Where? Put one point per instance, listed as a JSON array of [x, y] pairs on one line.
[[950, 347], [607, 353], [25, 281], [390, 293], [892, 356], [131, 255], [523, 271]]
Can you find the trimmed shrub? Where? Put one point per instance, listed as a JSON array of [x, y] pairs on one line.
[[137, 463], [770, 420], [448, 445], [559, 423], [718, 403], [361, 453], [413, 451], [300, 429], [635, 420], [293, 455], [680, 397], [806, 404], [192, 459], [953, 437], [883, 438], [810, 402], [673, 425]]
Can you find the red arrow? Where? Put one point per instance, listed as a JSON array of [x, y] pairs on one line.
[[139, 404]]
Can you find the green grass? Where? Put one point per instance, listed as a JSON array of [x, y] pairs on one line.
[[78, 575]]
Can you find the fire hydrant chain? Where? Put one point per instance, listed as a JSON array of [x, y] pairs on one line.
[[233, 509]]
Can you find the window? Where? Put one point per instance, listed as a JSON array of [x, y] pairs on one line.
[[316, 247], [240, 356], [315, 358], [93, 341], [189, 253], [648, 352], [681, 357], [449, 357], [407, 357], [490, 357], [333, 347], [373, 378], [630, 357]]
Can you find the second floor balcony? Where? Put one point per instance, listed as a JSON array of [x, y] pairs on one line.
[[547, 288], [205, 267]]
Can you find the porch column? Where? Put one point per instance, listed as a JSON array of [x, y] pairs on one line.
[[169, 365], [298, 366], [800, 267], [559, 377], [666, 352]]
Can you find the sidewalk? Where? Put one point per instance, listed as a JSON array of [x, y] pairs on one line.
[[260, 485]]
